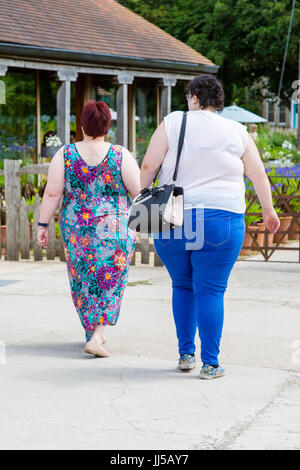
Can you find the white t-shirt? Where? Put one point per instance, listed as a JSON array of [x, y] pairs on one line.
[[210, 168]]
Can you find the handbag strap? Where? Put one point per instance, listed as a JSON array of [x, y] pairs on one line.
[[180, 145]]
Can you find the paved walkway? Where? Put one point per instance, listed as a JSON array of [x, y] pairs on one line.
[[54, 396]]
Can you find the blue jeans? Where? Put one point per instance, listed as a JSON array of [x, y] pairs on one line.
[[200, 273]]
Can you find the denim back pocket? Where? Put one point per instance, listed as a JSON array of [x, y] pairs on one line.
[[216, 230]]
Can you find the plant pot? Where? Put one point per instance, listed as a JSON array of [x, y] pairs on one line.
[[260, 237], [3, 238], [285, 222], [294, 227], [270, 238], [248, 240]]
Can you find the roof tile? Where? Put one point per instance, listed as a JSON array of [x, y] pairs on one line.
[[98, 26]]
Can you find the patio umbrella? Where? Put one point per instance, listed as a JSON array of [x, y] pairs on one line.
[[236, 113]]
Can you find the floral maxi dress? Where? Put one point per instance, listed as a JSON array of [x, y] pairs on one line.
[[98, 243]]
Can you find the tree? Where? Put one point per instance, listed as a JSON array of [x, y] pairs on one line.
[[245, 38]]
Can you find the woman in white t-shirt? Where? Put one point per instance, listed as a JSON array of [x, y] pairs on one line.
[[200, 255]]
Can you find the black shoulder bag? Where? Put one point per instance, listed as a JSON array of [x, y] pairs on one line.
[[157, 209]]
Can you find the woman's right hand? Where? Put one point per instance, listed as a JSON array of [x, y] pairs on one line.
[[271, 221]]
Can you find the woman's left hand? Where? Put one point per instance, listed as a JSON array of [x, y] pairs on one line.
[[43, 236]]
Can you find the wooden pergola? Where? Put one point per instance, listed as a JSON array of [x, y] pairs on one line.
[[86, 38]]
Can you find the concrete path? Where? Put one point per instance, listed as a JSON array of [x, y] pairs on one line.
[[53, 396]]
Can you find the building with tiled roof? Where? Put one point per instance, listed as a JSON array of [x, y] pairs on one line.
[[94, 45]]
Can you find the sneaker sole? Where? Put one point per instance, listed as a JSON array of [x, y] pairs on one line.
[[186, 368], [207, 377]]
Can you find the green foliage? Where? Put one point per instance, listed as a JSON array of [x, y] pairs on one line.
[[255, 207], [269, 144], [245, 38]]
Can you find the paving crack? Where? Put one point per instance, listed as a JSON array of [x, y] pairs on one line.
[[230, 436]]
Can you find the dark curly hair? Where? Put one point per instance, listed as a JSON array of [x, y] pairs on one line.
[[208, 90]]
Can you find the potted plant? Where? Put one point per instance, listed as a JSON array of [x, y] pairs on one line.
[[285, 222], [250, 228], [295, 224], [261, 226], [286, 186]]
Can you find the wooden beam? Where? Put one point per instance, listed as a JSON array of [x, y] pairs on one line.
[[85, 69]]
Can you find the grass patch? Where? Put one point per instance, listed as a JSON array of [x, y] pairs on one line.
[[139, 283]]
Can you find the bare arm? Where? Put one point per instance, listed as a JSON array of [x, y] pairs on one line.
[[52, 195], [255, 171], [155, 155], [130, 173]]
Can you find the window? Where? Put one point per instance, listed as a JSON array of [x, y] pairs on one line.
[[282, 113], [270, 110]]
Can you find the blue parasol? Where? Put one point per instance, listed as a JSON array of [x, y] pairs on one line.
[[238, 114]]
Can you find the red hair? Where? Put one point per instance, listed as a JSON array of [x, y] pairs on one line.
[[95, 118]]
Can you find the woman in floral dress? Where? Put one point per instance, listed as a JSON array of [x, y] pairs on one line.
[[94, 178]]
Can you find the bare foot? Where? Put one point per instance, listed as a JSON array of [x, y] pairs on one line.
[[95, 347]]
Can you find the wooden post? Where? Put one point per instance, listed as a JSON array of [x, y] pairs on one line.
[[37, 249], [12, 198], [132, 263], [158, 105], [62, 255], [63, 111], [122, 115], [24, 231], [83, 95], [164, 98], [52, 240], [145, 250], [63, 104], [38, 117], [37, 178], [124, 79], [157, 260], [165, 103], [142, 111], [131, 119]]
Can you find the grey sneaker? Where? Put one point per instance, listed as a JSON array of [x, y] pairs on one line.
[[186, 362], [209, 372]]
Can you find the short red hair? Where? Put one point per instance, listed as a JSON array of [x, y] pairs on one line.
[[95, 118]]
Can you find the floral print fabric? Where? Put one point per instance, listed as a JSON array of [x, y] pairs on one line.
[[98, 243]]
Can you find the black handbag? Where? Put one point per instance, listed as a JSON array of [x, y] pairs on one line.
[[157, 209]]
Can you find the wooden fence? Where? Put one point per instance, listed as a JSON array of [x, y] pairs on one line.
[[21, 236], [285, 202]]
